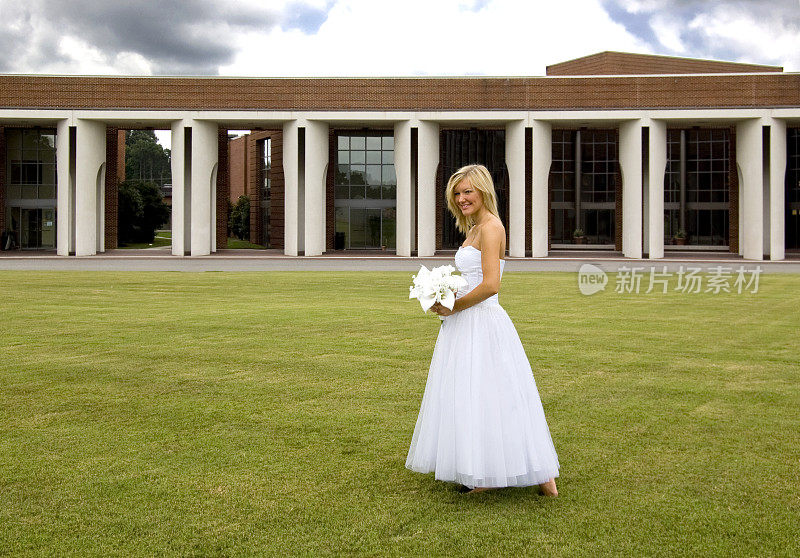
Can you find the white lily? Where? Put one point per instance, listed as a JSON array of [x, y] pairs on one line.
[[436, 285]]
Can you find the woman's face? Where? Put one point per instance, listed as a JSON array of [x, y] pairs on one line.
[[468, 199]]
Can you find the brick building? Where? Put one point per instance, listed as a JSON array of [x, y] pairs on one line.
[[633, 150]]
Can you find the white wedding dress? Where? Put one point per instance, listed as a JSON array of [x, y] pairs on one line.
[[481, 423]]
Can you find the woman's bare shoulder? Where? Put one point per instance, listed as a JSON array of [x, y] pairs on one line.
[[494, 227]]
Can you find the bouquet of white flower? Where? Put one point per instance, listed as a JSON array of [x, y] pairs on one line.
[[436, 285]]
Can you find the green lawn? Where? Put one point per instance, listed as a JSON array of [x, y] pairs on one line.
[[162, 239], [270, 413], [236, 243]]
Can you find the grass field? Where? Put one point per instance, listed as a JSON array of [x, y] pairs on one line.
[[270, 413]]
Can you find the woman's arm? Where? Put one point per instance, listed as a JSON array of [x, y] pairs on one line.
[[491, 241]]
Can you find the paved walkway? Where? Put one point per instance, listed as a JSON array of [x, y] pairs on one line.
[[274, 260]]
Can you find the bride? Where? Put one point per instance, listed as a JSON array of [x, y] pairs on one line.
[[481, 422]]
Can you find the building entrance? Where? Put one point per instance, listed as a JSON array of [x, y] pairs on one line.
[[584, 179], [365, 191], [697, 186], [464, 147], [33, 227]]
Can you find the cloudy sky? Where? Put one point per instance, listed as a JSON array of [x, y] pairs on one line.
[[380, 37]]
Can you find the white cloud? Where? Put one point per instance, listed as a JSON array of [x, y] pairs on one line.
[[767, 40], [420, 37], [668, 32]]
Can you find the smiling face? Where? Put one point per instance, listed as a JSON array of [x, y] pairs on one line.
[[468, 199]]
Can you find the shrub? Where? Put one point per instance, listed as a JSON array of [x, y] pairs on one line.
[[239, 220], [141, 211]]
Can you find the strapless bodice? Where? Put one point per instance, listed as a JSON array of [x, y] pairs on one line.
[[468, 262]]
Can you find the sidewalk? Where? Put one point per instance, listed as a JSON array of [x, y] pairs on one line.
[[161, 259]]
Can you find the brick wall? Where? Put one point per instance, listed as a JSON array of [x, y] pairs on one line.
[[733, 196], [253, 178], [3, 210], [618, 201], [623, 63], [462, 93], [120, 155], [222, 188], [330, 194], [113, 169], [528, 188], [237, 165], [276, 215]]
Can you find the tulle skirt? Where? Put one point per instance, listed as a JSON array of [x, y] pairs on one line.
[[481, 423]]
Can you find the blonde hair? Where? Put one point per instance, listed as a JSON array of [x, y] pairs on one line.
[[481, 180]]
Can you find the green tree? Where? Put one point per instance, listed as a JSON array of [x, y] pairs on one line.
[[239, 220], [141, 211], [145, 159]]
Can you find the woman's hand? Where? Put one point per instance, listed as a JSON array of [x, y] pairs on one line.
[[437, 308]]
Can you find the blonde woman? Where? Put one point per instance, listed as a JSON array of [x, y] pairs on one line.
[[481, 422]]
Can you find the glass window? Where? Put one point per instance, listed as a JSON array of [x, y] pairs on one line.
[[364, 191], [706, 187], [30, 164]]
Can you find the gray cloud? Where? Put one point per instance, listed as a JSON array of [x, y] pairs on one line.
[[638, 16], [175, 36]]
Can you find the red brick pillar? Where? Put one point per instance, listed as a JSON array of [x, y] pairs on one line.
[[3, 182], [733, 195], [223, 193], [112, 185]]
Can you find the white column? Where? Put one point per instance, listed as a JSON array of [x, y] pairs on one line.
[[402, 170], [542, 159], [316, 159], [203, 190], [630, 161], [181, 164], [656, 170], [290, 178], [90, 164], [428, 161], [65, 191], [749, 158], [777, 192], [515, 162]]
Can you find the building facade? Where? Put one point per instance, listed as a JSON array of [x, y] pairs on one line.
[[633, 151]]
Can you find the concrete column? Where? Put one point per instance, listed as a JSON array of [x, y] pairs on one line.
[[630, 160], [290, 177], [656, 170], [90, 165], [542, 159], [65, 190], [515, 162], [777, 192], [204, 187], [402, 170], [749, 158], [428, 162], [181, 164], [316, 159]]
